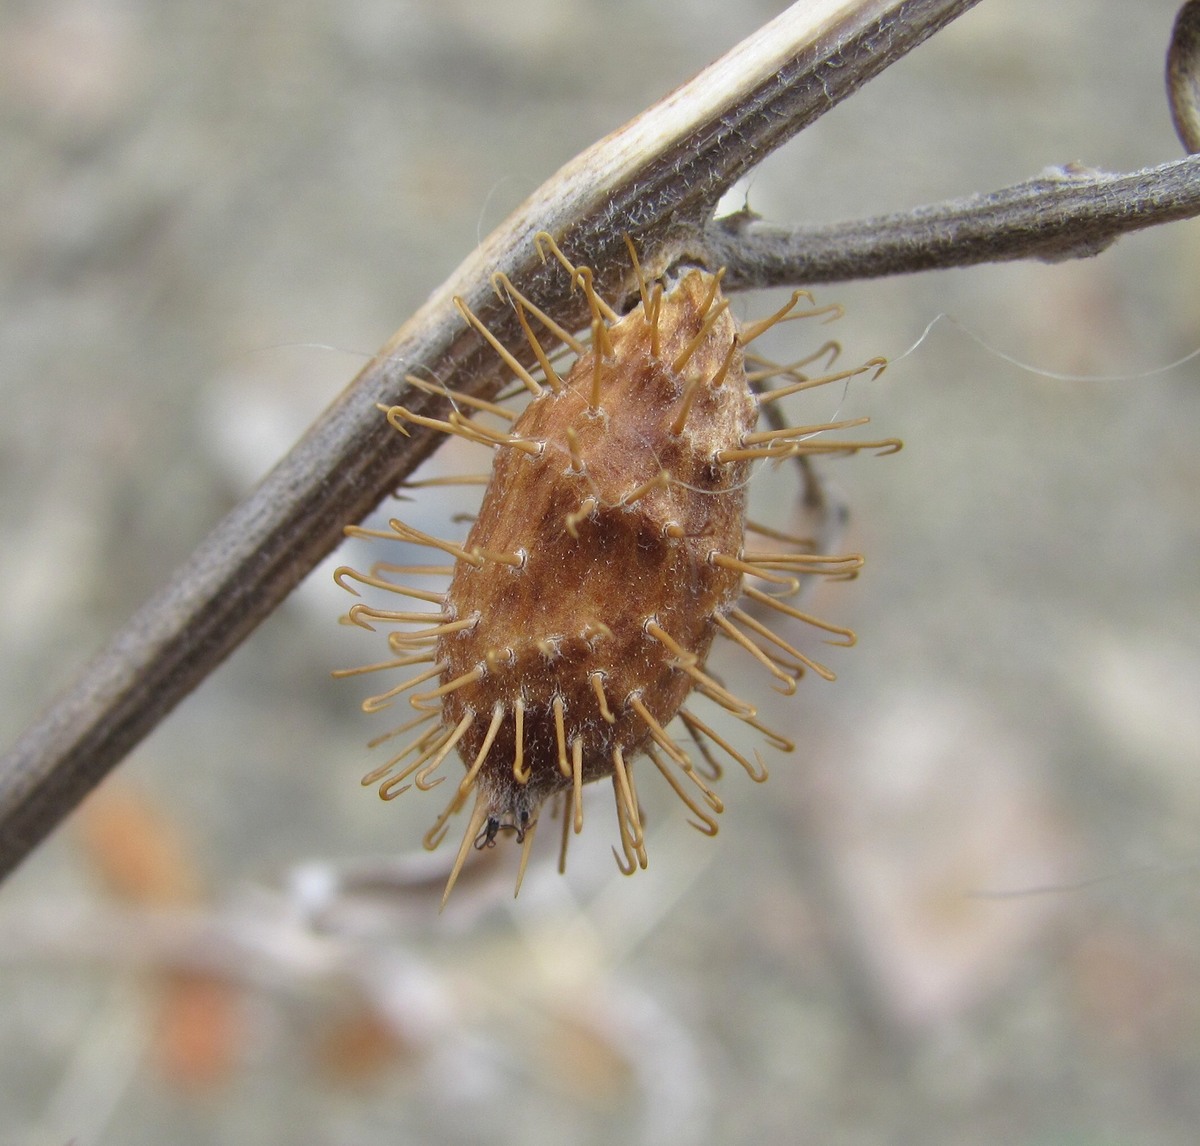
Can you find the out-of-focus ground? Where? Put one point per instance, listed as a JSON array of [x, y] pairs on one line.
[[208, 215]]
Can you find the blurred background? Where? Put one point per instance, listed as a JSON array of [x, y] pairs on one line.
[[964, 908]]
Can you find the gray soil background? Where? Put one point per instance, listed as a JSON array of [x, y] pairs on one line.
[[211, 213]]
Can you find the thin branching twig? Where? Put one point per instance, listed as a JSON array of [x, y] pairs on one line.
[[1069, 214]]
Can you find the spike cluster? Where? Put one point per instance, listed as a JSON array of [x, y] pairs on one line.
[[608, 553]]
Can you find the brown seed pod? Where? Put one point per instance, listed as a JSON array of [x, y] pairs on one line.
[[608, 553]]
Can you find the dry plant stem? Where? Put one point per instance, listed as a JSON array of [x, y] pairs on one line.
[[1071, 214]]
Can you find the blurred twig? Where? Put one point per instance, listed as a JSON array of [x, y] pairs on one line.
[[658, 180], [1183, 82]]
